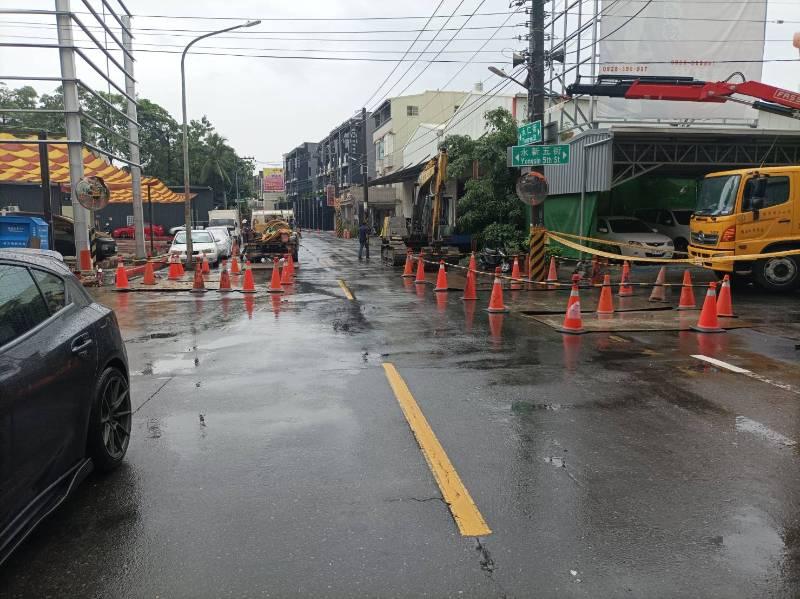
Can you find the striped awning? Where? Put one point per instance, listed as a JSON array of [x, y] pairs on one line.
[[19, 163]]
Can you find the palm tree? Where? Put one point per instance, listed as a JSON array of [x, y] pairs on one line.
[[217, 162]]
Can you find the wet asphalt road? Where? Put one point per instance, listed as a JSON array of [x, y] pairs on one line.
[[605, 465]]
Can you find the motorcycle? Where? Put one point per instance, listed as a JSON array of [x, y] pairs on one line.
[[489, 259]]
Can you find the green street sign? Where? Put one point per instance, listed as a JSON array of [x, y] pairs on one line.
[[530, 133], [538, 155]]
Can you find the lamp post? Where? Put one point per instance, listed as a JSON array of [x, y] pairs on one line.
[[187, 202]]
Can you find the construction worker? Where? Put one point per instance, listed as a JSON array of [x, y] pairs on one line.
[[363, 239]]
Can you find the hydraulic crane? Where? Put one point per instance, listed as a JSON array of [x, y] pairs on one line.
[[687, 89]]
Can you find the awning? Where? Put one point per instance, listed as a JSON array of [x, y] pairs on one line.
[[407, 174], [19, 163]]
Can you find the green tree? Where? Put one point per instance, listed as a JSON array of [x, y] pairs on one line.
[[489, 208]]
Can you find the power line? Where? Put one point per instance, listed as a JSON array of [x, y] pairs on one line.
[[365, 18]]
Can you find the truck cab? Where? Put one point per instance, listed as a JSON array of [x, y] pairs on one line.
[[750, 211]]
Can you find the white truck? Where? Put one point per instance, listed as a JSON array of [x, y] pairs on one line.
[[226, 218]]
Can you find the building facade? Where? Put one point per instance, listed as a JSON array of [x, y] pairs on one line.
[[300, 168]]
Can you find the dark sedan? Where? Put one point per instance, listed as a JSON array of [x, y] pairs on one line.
[[64, 396]]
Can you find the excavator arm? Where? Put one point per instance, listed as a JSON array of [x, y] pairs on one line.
[[687, 89]]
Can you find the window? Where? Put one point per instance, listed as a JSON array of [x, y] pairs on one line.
[[682, 216], [629, 225], [52, 289], [777, 192], [197, 236], [21, 304], [379, 150], [412, 110]]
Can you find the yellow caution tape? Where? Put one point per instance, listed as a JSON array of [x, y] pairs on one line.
[[610, 242]]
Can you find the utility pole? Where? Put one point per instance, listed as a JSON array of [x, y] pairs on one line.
[[133, 144], [364, 166], [536, 84]]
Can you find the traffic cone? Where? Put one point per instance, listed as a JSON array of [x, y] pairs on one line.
[[472, 265], [572, 319], [420, 270], [606, 303], [441, 278], [174, 271], [552, 274], [206, 268], [687, 301], [235, 270], [659, 293], [122, 277], [469, 288], [199, 285], [516, 279], [625, 289], [724, 300], [224, 281], [149, 276], [291, 266], [708, 323], [248, 285], [496, 300], [181, 270], [286, 274], [275, 282], [408, 271]]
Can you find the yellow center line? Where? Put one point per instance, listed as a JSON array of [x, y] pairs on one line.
[[348, 294], [469, 520]]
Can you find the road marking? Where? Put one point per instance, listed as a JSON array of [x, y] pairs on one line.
[[469, 520], [756, 428], [348, 294], [748, 373]]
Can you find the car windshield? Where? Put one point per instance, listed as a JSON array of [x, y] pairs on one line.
[[683, 216], [629, 225], [223, 222], [717, 195], [197, 237]]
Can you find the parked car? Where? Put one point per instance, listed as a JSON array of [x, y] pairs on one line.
[[64, 237], [674, 223], [65, 405], [129, 232], [223, 239], [202, 243], [642, 240]]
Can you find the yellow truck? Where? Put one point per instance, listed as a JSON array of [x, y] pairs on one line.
[[745, 212]]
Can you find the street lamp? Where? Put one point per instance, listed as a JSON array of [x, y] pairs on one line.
[[187, 202], [504, 75]]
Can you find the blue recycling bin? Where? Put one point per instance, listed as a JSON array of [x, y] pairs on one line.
[[17, 231]]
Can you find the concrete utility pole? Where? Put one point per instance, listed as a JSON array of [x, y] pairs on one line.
[[133, 135], [364, 165], [73, 124], [536, 84]]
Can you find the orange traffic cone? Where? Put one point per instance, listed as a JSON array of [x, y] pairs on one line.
[[469, 288], [552, 274], [496, 300], [408, 271], [291, 266], [420, 270], [181, 270], [122, 277], [708, 323], [174, 268], [286, 274], [235, 270], [606, 303], [472, 264], [199, 285], [659, 293], [686, 301], [625, 289], [206, 268], [724, 300], [275, 282], [224, 281], [516, 279], [573, 323], [248, 285], [149, 276], [441, 278]]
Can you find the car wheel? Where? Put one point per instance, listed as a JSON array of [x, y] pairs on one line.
[[778, 274], [681, 245], [110, 420]]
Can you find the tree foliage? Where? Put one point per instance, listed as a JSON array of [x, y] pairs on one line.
[[489, 208], [212, 161]]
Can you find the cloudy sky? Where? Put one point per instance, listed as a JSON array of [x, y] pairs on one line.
[[266, 105]]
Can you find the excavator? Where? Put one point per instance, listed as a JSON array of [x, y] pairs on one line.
[[423, 232]]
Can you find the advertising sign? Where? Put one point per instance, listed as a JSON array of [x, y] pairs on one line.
[[330, 195], [272, 179], [680, 38]]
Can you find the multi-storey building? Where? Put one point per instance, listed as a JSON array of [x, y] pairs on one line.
[[302, 194]]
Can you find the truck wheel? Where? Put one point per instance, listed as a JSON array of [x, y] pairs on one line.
[[778, 274]]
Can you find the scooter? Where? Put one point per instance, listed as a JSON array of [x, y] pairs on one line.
[[489, 259]]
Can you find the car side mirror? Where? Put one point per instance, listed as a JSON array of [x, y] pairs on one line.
[[602, 230], [757, 204]]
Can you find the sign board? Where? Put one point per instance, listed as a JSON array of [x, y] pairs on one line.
[[538, 155], [330, 195], [530, 133], [272, 179]]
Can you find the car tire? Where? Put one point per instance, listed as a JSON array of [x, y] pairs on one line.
[[777, 274], [110, 420], [681, 245]]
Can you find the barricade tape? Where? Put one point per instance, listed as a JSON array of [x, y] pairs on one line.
[[616, 243]]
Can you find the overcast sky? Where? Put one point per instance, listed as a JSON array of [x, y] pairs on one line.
[[267, 106]]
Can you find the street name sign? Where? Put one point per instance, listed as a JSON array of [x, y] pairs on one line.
[[538, 155], [530, 133]]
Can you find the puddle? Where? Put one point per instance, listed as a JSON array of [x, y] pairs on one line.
[[556, 461]]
